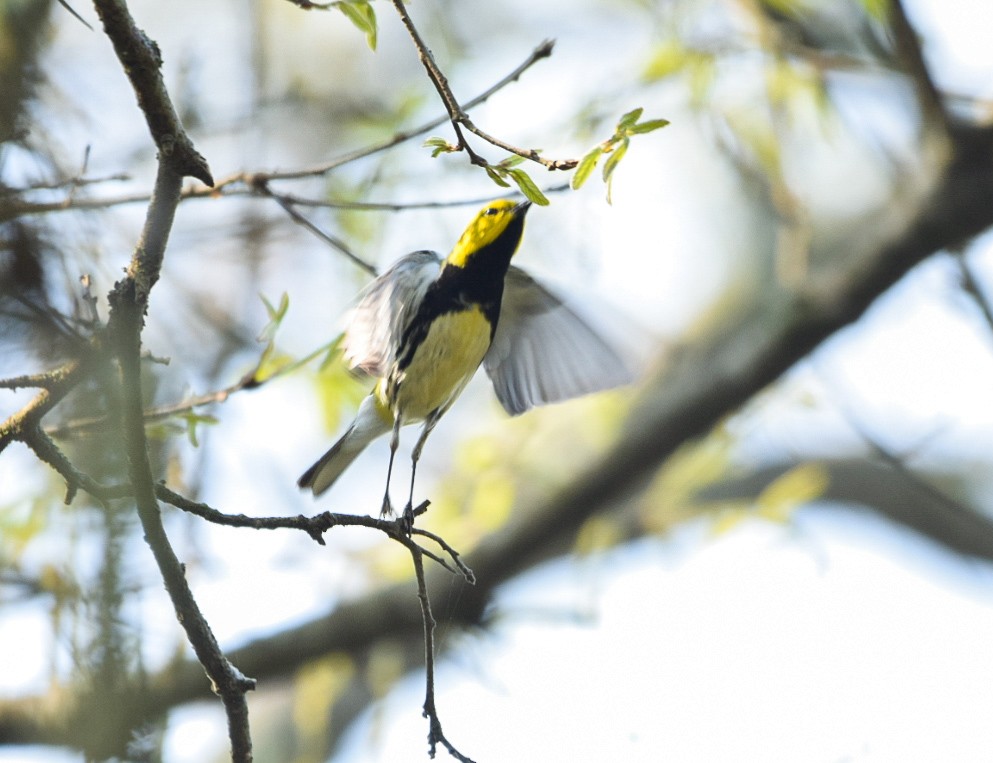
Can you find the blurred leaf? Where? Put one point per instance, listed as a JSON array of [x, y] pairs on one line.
[[669, 58], [164, 430], [878, 9], [477, 454], [688, 471], [598, 533], [385, 667], [701, 76], [729, 519], [272, 363], [760, 138], [586, 166], [796, 487], [790, 85], [363, 16], [492, 500], [317, 686], [788, 7], [528, 187], [19, 526], [338, 391], [193, 420], [276, 315], [332, 352]]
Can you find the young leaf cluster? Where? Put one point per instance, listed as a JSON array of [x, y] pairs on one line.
[[508, 169], [615, 147]]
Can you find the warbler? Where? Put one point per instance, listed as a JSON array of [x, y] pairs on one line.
[[424, 326]]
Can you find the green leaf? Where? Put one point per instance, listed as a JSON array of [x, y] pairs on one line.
[[878, 9], [611, 164], [440, 146], [801, 484], [272, 363], [614, 159], [788, 7], [701, 76], [276, 315], [668, 59], [511, 161], [630, 119], [362, 15], [496, 176], [649, 125], [193, 419], [528, 187], [586, 166], [339, 391]]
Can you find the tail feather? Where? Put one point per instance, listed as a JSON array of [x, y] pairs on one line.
[[368, 425]]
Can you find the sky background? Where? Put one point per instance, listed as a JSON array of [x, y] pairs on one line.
[[833, 637]]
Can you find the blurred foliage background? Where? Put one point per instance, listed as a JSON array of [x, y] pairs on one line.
[[806, 137]]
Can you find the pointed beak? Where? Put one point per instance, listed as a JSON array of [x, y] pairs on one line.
[[521, 209]]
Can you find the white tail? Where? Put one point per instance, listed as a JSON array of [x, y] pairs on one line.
[[368, 425]]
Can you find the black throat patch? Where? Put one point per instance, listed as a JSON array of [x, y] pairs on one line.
[[478, 283]]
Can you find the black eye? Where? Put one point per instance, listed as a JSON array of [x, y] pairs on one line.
[[491, 211]]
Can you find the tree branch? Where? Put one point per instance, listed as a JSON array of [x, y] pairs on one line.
[[435, 734], [910, 54], [142, 59], [128, 303], [457, 114]]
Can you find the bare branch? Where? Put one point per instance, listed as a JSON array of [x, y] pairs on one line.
[[247, 183], [435, 734], [334, 241], [141, 59], [972, 287], [908, 49], [457, 114]]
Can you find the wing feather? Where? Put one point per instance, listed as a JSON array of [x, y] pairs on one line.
[[385, 308], [544, 351]]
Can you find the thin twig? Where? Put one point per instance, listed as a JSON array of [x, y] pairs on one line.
[[58, 384], [457, 114], [435, 734], [971, 285], [466, 572], [244, 183], [319, 524], [334, 241], [73, 12], [140, 59]]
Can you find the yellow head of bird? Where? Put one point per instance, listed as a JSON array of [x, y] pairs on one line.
[[486, 227]]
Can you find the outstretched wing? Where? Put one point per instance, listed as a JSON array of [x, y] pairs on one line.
[[387, 305], [545, 351]]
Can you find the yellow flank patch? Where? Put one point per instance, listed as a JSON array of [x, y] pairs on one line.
[[443, 363]]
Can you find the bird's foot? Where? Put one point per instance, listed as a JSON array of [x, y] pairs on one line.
[[406, 519], [387, 510]]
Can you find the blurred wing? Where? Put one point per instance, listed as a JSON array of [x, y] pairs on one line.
[[385, 308], [544, 351]]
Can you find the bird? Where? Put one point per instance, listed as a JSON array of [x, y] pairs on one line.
[[423, 328]]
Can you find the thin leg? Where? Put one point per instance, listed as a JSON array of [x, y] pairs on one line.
[[387, 509], [429, 424]]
